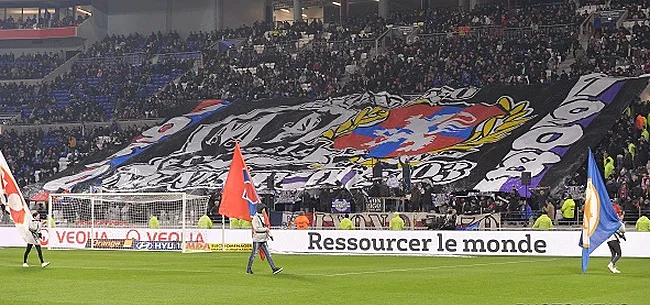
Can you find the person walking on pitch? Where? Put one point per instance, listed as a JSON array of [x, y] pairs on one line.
[[614, 244], [35, 229], [260, 237]]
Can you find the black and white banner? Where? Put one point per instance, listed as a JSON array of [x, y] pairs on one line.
[[464, 138]]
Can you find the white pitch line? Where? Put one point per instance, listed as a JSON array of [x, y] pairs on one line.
[[159, 269], [162, 269], [429, 268]]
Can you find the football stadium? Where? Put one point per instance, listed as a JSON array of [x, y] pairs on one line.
[[325, 152]]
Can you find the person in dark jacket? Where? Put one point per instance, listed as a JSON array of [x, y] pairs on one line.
[[614, 245]]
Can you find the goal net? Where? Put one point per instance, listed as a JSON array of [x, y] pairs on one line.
[[125, 221]]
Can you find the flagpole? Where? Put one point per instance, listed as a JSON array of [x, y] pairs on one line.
[[223, 220], [223, 233]]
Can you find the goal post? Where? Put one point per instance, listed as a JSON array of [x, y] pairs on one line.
[[125, 221]]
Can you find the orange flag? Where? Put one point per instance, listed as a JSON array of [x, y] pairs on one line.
[[239, 198]]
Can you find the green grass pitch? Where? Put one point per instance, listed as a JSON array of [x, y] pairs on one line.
[[122, 277]]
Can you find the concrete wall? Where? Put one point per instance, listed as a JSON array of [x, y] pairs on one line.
[[40, 46], [146, 16], [96, 27], [310, 13], [143, 16], [192, 15], [239, 12]]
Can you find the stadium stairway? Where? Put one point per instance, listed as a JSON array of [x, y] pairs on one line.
[[565, 65]]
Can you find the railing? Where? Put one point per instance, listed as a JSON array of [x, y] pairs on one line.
[[586, 30], [135, 59], [507, 33], [126, 123], [279, 23], [62, 69], [279, 4], [345, 45], [7, 117], [285, 47], [196, 56], [381, 41]]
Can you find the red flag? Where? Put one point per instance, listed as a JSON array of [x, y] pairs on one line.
[[239, 198]]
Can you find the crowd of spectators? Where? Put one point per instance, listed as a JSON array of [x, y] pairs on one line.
[[622, 51], [28, 66], [93, 91], [47, 20], [464, 61], [336, 62], [441, 20], [155, 43], [320, 71], [624, 155], [315, 73], [34, 155]]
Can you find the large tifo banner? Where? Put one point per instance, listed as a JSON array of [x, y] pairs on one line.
[[464, 138], [418, 242], [148, 139]]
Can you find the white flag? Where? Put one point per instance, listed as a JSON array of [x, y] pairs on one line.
[[14, 202]]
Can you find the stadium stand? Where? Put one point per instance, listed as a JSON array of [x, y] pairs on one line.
[[132, 76], [94, 90], [46, 21], [627, 145], [28, 66], [35, 155]]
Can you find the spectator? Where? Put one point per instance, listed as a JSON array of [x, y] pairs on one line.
[[346, 223], [643, 224], [549, 209], [396, 223], [609, 165], [205, 222], [568, 209], [543, 222], [154, 223], [526, 212], [302, 222]]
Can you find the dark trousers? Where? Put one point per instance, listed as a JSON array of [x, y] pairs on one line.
[[29, 249], [615, 249], [256, 247]]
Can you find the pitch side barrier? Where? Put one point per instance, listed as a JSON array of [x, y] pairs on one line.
[[528, 243], [356, 242]]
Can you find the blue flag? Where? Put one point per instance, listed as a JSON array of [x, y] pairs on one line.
[[600, 220]]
